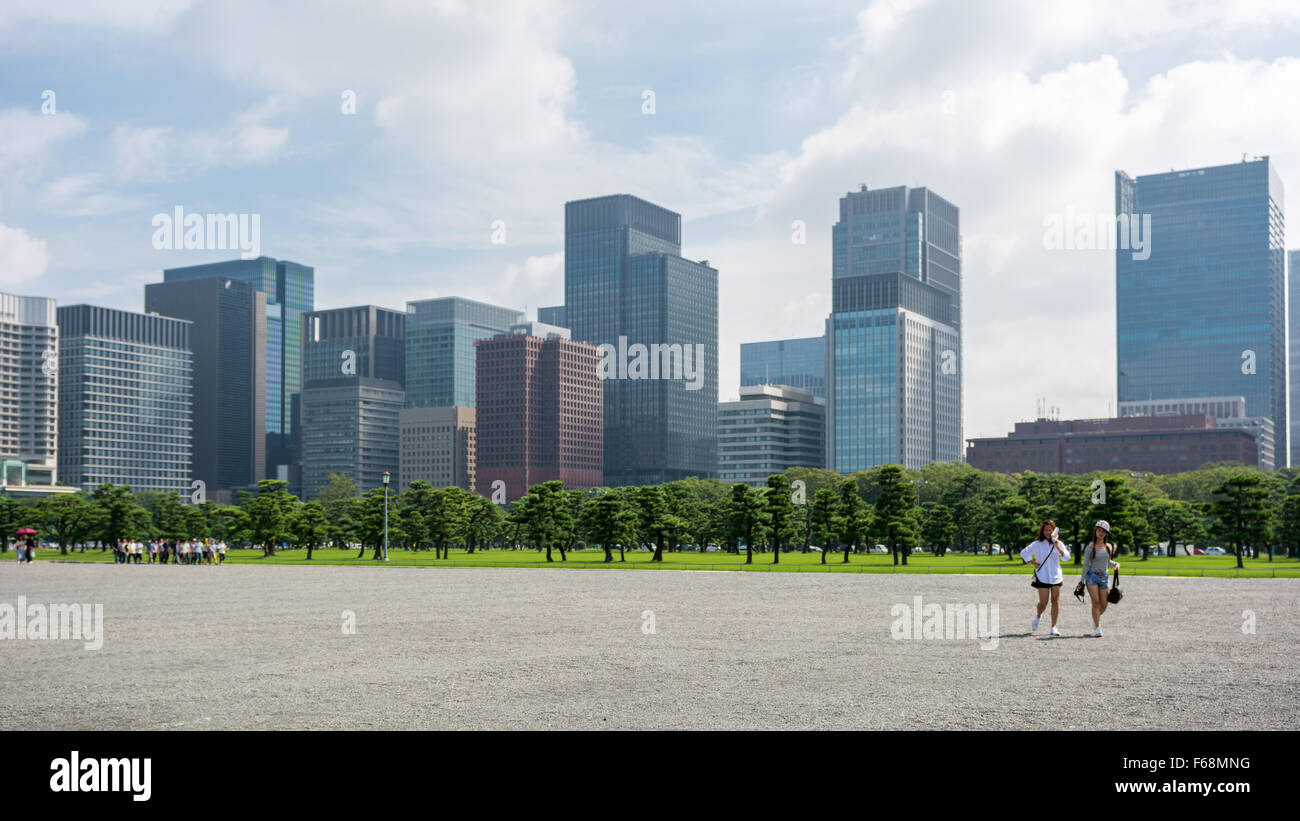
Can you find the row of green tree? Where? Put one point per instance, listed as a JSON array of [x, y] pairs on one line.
[[942, 507]]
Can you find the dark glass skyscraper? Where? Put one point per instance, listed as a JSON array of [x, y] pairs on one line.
[[227, 337], [1205, 314], [626, 285], [290, 292], [893, 339], [125, 399], [799, 363]]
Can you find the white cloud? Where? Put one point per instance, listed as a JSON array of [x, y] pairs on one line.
[[146, 154], [28, 138], [22, 257], [85, 195]]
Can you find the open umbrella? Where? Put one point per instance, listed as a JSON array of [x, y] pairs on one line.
[[25, 531]]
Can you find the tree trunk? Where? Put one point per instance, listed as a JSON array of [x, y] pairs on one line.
[[609, 554]]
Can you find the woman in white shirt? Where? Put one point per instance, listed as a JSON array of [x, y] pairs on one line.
[[1046, 552]]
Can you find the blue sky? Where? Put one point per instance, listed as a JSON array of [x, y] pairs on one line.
[[765, 113]]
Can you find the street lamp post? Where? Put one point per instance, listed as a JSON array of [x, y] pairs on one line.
[[387, 478]]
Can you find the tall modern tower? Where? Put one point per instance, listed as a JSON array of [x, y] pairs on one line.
[[626, 286], [227, 337], [1293, 348], [125, 399], [290, 292], [1204, 314], [893, 339], [29, 385], [440, 356], [353, 368]]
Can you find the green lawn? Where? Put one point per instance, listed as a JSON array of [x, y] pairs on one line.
[[790, 562]]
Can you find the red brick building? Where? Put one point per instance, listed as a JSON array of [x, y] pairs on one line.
[[1154, 444], [540, 410]]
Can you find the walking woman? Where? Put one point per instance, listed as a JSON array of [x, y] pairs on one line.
[[1097, 562], [1046, 552]]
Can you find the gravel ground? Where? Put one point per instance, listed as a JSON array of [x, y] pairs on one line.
[[241, 647]]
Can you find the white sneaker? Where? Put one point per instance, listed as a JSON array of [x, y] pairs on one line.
[[1097, 633], [1034, 626], [1055, 632]]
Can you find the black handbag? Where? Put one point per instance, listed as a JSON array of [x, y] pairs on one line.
[[1115, 593]]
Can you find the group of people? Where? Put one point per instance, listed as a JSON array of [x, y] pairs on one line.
[[161, 552], [1047, 551]]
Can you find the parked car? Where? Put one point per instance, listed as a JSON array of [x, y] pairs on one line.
[[1215, 551]]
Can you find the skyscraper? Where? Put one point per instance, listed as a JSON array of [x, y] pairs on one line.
[[440, 336], [227, 338], [1293, 348], [1201, 312], [539, 410], [125, 399], [29, 385], [893, 339], [353, 369], [290, 292], [799, 363], [628, 290]]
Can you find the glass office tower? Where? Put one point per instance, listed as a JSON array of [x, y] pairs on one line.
[[625, 285], [799, 363], [893, 339], [227, 339], [290, 292], [1293, 348], [440, 355], [125, 399], [1204, 314]]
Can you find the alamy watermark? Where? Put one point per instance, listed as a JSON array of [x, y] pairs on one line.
[[54, 622], [1098, 232], [654, 361], [945, 621], [179, 231]]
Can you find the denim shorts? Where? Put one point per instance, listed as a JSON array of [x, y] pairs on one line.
[[1097, 577]]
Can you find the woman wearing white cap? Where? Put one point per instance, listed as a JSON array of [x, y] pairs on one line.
[[1046, 553], [1097, 562]]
